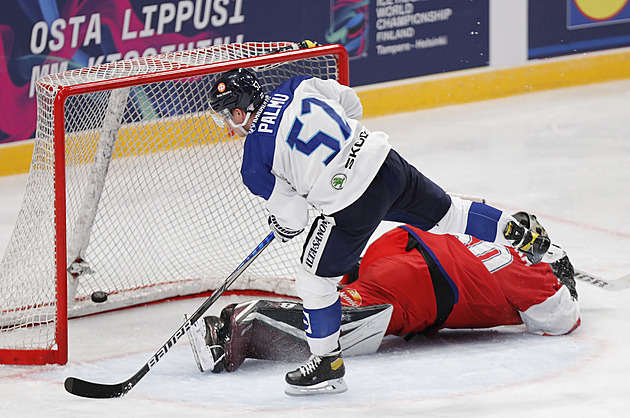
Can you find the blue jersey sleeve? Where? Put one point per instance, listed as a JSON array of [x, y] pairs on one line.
[[260, 143], [257, 163]]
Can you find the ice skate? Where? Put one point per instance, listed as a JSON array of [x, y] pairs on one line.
[[321, 374], [206, 344], [528, 236], [530, 221], [555, 256]]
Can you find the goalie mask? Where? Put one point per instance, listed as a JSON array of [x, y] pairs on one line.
[[235, 89]]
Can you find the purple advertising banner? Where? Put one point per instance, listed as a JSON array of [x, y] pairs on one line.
[[386, 39], [39, 38]]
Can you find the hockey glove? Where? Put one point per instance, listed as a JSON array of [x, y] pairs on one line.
[[284, 233]]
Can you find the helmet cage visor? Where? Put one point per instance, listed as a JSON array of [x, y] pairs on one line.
[[224, 118]]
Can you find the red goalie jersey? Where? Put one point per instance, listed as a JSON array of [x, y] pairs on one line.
[[447, 281]]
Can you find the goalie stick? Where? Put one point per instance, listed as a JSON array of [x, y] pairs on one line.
[[612, 285], [93, 390]]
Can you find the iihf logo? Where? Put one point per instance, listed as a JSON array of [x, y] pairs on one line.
[[338, 181]]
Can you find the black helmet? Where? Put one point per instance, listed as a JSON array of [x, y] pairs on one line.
[[238, 88]]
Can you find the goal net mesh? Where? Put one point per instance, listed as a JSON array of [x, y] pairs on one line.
[[154, 204]]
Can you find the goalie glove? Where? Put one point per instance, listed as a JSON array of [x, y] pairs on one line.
[[284, 233]]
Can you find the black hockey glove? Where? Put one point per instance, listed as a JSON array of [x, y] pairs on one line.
[[284, 233]]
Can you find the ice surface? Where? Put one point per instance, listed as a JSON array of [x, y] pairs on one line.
[[563, 155]]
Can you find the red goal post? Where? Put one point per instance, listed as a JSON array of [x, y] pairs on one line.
[[133, 191]]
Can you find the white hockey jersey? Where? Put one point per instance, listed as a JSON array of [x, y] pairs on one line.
[[306, 146]]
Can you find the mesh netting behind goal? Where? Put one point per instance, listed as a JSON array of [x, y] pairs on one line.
[[134, 191]]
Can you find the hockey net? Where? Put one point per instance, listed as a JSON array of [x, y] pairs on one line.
[[134, 191]]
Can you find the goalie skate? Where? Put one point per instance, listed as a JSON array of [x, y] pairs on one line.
[[203, 335]]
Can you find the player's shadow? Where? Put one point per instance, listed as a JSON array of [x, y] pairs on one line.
[[452, 337], [443, 341]]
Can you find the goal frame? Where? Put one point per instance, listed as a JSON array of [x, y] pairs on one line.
[[59, 355]]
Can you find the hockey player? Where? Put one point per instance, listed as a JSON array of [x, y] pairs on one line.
[[305, 147], [409, 282]]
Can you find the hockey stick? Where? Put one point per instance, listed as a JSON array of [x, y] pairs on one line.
[[612, 285], [87, 389]]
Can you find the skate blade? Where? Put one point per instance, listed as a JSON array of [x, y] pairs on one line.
[[553, 254], [194, 345], [328, 387]]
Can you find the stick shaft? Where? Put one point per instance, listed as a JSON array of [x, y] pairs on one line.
[[87, 389]]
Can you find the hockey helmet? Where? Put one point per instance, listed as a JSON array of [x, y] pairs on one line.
[[235, 89], [238, 88]]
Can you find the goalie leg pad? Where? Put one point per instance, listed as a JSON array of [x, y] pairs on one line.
[[274, 330]]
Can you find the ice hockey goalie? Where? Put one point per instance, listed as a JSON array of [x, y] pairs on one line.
[[409, 282]]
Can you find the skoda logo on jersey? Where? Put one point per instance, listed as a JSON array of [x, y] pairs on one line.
[[338, 181]]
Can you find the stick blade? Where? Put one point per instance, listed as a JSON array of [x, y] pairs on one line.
[[620, 284], [87, 389], [614, 285]]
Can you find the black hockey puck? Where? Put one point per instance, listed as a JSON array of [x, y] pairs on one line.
[[99, 296]]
